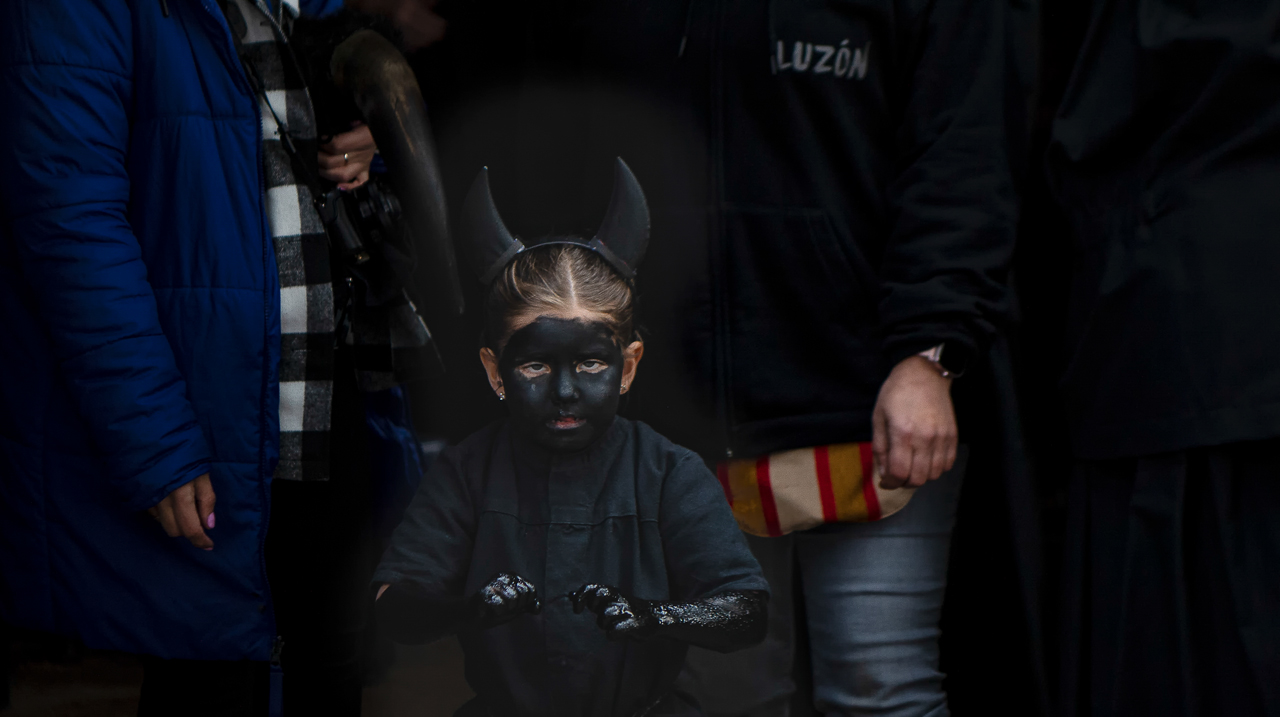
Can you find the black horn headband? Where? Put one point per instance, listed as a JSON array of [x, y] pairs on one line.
[[621, 239]]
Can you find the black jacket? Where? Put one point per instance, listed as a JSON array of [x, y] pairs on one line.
[[862, 209], [829, 181], [1166, 155]]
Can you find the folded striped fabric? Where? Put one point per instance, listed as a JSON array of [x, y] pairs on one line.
[[803, 488]]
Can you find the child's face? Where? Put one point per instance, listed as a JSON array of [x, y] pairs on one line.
[[562, 378]]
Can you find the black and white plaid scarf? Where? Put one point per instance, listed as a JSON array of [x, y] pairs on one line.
[[390, 343], [301, 246]]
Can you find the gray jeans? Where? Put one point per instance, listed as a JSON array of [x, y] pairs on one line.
[[873, 596]]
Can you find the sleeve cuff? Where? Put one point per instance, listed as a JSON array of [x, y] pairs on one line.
[[162, 479], [959, 347]]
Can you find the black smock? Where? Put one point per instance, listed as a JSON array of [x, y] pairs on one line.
[[634, 511], [1166, 156], [1171, 592]]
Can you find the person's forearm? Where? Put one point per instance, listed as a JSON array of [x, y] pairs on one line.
[[412, 617], [724, 623]]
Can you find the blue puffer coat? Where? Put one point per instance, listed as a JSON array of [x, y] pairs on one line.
[[140, 325]]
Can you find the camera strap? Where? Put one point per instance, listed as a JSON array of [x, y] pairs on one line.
[[311, 178]]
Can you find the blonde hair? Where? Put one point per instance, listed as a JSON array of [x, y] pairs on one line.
[[559, 279]]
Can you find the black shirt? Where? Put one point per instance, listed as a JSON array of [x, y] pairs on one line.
[[634, 511], [1166, 155]]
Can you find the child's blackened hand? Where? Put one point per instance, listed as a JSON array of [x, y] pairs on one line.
[[621, 617], [505, 598]]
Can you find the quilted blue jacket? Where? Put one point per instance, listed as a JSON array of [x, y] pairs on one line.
[[141, 319]]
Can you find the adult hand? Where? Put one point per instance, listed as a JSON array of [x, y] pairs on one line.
[[914, 434], [620, 617], [505, 598], [346, 158], [187, 511]]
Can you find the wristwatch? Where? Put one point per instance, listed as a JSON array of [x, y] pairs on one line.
[[950, 364]]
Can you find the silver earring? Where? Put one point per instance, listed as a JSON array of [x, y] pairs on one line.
[[502, 396], [624, 388]]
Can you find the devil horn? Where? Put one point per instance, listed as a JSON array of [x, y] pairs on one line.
[[624, 233], [492, 246]]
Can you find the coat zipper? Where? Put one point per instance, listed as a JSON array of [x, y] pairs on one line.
[[237, 71]]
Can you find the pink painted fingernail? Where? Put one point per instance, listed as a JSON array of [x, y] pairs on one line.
[[210, 522]]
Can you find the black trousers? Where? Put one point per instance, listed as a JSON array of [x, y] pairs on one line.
[[1173, 585], [320, 558]]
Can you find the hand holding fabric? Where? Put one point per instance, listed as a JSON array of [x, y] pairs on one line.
[[724, 623]]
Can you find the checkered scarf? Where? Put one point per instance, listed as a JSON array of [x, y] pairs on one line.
[[301, 246]]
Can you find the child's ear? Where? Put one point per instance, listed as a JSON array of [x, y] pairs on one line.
[[631, 356], [490, 362]]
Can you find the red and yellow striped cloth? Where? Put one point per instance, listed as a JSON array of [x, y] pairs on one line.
[[800, 489]]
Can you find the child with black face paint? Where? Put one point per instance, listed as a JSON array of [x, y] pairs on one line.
[[564, 508]]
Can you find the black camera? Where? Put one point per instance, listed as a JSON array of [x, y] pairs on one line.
[[363, 220]]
